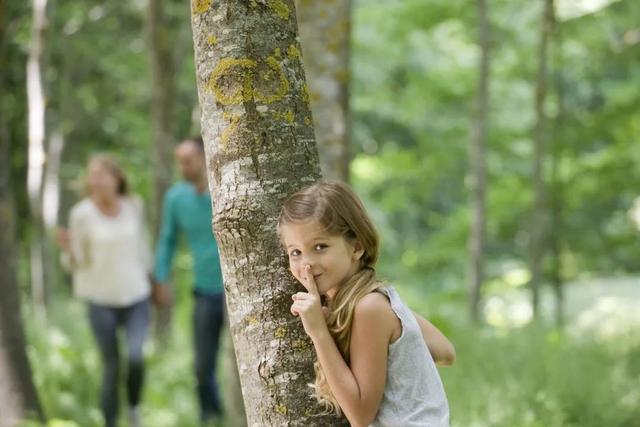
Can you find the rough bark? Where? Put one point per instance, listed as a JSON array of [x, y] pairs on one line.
[[36, 158], [260, 148], [539, 220], [325, 30], [477, 236], [18, 398]]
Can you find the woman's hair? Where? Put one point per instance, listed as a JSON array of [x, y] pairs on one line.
[[111, 166], [339, 210]]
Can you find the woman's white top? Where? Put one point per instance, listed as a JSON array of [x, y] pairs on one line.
[[110, 256], [413, 394]]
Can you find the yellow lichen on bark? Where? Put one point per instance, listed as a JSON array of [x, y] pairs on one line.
[[224, 68], [201, 6], [212, 40], [245, 71], [283, 86], [229, 131], [293, 52], [305, 93], [279, 7]]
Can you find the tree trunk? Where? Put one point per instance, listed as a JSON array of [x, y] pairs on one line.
[[538, 230], [235, 414], [557, 220], [36, 158], [478, 169], [260, 148], [162, 105], [162, 108], [325, 30], [18, 398]]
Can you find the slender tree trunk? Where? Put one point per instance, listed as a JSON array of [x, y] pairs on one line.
[[235, 414], [162, 109], [162, 105], [36, 159], [18, 398], [538, 230], [260, 148], [557, 220], [477, 237], [325, 30]]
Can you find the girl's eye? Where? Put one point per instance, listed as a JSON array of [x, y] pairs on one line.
[[294, 252], [320, 246]]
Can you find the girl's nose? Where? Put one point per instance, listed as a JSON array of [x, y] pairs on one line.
[[307, 260]]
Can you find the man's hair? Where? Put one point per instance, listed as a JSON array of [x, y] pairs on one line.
[[197, 140]]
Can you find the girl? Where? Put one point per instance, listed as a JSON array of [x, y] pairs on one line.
[[375, 357], [107, 252]]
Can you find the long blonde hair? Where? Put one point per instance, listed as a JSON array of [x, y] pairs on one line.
[[339, 210]]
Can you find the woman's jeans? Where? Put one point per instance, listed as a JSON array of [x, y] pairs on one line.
[[105, 322]]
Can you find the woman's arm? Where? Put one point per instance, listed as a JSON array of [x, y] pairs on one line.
[[73, 241], [440, 347]]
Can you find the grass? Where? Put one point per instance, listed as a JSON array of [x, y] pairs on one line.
[[533, 376]]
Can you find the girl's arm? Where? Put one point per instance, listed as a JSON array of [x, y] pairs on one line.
[[359, 386], [440, 347]]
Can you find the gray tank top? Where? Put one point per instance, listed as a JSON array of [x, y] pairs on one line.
[[413, 395]]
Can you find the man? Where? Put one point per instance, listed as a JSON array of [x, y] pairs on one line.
[[187, 210]]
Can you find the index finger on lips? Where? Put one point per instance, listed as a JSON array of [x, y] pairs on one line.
[[311, 282]]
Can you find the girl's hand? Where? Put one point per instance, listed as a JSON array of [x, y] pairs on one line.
[[307, 306]]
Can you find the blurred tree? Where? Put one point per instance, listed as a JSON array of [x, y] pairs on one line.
[[325, 31], [477, 236], [18, 397], [37, 158], [163, 87], [556, 230], [539, 213], [260, 148]]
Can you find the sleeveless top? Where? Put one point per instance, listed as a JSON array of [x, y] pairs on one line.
[[413, 394]]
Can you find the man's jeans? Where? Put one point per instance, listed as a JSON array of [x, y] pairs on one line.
[[208, 319]]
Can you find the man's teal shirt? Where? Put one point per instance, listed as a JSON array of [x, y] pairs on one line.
[[189, 212]]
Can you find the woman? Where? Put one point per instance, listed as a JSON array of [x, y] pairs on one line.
[[107, 252]]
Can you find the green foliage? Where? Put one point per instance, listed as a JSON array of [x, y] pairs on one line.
[[414, 77]]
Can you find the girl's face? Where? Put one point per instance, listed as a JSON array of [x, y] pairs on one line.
[[100, 182], [333, 259]]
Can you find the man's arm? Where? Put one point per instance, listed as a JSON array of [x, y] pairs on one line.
[[440, 347]]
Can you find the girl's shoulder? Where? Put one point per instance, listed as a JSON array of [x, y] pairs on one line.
[[374, 309], [375, 304]]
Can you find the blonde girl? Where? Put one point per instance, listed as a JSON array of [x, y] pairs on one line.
[[376, 360]]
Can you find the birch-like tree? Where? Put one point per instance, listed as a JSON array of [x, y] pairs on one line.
[[477, 155], [18, 398]]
